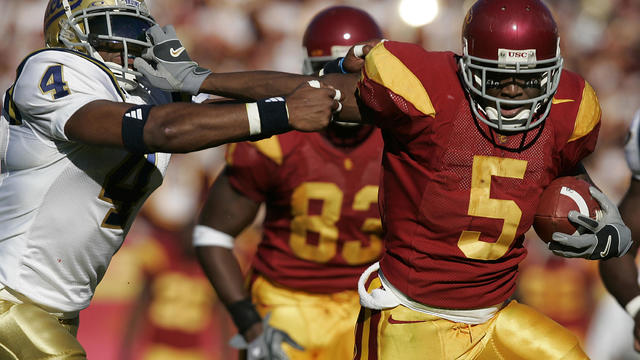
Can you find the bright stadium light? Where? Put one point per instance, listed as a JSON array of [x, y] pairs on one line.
[[418, 12]]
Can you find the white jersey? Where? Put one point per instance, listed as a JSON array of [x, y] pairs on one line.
[[65, 207]]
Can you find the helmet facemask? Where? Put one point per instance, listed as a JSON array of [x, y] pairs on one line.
[[119, 28], [480, 75]]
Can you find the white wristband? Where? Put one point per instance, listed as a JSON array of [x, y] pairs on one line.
[[207, 236], [254, 119], [633, 306]]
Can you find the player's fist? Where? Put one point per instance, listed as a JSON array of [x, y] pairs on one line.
[[354, 60], [632, 146], [311, 106]]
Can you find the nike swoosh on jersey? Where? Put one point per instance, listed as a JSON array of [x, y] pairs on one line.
[[176, 52], [561, 101], [394, 321], [604, 252]]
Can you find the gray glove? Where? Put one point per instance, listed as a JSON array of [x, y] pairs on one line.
[[267, 346], [606, 236], [174, 71]]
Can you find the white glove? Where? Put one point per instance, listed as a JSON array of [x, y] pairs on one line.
[[174, 71], [632, 146], [607, 237], [267, 346]]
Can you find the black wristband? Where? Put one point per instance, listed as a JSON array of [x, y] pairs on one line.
[[133, 122], [244, 314], [333, 67], [274, 116]]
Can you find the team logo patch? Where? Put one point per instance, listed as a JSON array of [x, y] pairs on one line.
[[512, 57]]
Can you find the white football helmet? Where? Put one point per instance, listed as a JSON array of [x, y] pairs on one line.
[[90, 26]]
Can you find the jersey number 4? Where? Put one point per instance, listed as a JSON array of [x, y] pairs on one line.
[[124, 187], [353, 251], [53, 83]]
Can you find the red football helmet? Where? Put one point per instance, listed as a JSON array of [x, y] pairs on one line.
[[510, 38], [332, 32]]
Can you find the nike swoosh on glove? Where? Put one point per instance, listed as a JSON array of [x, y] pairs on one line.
[[174, 70], [606, 237]]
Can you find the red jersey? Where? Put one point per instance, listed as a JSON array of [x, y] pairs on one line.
[[455, 204], [322, 225], [179, 315]]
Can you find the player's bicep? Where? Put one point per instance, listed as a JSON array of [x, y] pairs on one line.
[[97, 123], [226, 209]]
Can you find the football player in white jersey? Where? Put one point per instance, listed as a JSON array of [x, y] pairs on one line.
[[620, 275], [83, 141]]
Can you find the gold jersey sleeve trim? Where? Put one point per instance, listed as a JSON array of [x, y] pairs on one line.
[[588, 113], [382, 67], [228, 156], [270, 148]]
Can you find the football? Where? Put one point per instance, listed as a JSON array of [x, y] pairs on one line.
[[561, 196]]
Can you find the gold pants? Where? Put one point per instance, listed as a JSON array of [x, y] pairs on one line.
[[322, 323], [29, 333], [517, 331]]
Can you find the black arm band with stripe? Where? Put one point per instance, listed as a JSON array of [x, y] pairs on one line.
[[133, 122], [334, 67], [244, 314], [274, 117]]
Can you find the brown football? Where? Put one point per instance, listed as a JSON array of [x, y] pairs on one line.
[[561, 196]]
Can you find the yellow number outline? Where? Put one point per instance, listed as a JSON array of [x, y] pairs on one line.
[[482, 205], [324, 224]]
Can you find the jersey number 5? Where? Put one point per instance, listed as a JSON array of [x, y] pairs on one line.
[[482, 205], [353, 252]]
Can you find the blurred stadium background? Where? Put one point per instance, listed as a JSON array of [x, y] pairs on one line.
[[155, 304]]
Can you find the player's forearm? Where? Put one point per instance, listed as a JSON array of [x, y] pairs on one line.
[[207, 126], [620, 275], [265, 84], [179, 127], [223, 270], [252, 86]]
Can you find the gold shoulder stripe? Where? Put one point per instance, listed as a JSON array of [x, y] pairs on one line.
[[384, 68], [561, 101], [588, 113], [270, 148]]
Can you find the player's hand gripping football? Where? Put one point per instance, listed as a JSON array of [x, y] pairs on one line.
[[311, 106], [174, 70], [354, 60], [268, 345], [607, 236]]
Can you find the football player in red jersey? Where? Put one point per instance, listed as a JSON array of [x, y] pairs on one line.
[[322, 225], [463, 168], [470, 142], [625, 288]]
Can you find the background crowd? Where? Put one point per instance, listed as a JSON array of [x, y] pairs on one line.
[[600, 39]]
